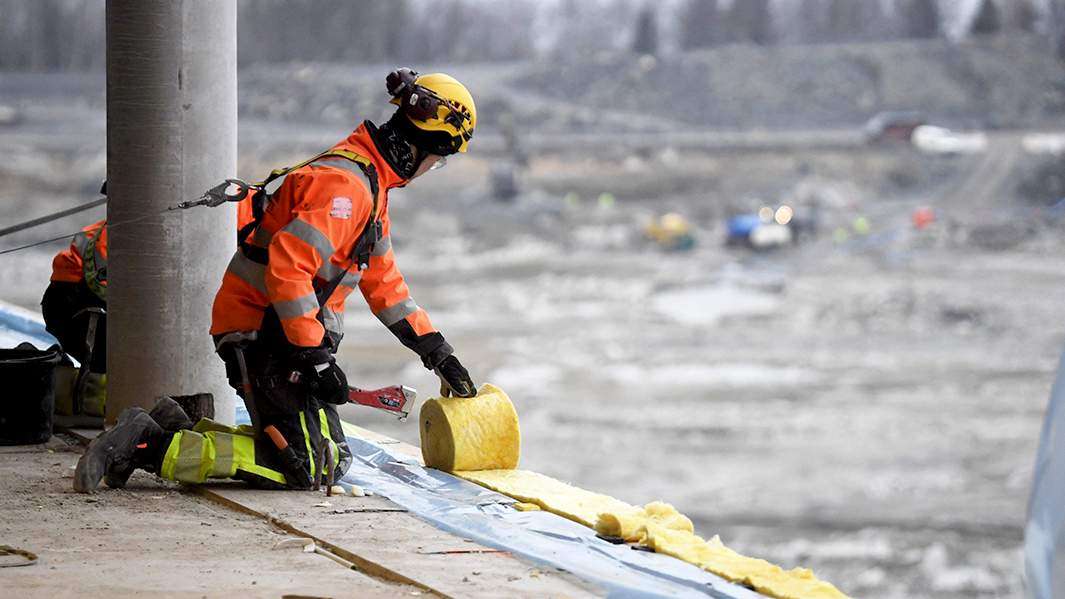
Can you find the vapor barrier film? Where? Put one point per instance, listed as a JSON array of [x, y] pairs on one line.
[[471, 511], [474, 512]]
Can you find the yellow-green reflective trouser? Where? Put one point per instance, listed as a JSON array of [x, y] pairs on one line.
[[214, 450]]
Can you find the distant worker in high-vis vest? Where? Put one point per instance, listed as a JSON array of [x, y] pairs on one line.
[[79, 282], [320, 230]]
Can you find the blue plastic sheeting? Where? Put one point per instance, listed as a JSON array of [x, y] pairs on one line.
[[471, 511], [474, 512], [18, 325], [1044, 535]]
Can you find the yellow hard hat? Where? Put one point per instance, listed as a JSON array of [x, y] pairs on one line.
[[439, 107]]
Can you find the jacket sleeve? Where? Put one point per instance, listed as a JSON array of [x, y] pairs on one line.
[[389, 299], [328, 213]]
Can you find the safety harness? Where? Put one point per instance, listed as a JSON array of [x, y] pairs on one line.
[[369, 236], [94, 267], [360, 253]]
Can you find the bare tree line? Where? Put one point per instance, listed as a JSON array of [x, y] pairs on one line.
[[42, 35], [710, 22]]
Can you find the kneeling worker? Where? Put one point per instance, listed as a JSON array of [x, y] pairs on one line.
[[277, 318], [79, 281], [74, 304]]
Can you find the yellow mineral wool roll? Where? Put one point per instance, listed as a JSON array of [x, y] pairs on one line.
[[470, 433], [629, 525]]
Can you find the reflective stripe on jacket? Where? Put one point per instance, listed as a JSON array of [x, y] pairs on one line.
[[309, 230], [85, 259]]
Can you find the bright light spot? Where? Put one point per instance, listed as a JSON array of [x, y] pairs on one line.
[[765, 213], [784, 214]]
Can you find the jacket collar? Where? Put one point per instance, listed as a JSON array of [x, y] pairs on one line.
[[361, 142]]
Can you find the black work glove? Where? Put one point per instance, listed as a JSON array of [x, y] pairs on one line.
[[454, 378], [324, 379], [431, 347], [330, 385]]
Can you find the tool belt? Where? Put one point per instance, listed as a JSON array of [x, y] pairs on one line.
[[269, 382], [267, 366]]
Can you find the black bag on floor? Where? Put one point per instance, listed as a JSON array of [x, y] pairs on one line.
[[28, 398]]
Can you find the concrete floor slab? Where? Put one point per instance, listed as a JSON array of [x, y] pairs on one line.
[[394, 544], [150, 540]]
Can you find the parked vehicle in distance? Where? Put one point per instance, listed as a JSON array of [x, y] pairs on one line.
[[769, 228], [940, 140], [893, 126]]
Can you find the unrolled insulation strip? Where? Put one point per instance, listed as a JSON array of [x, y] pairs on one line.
[[657, 526], [552, 495], [494, 520], [712, 555], [478, 439]]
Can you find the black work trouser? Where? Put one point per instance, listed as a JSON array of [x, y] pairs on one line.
[[293, 411], [61, 301]]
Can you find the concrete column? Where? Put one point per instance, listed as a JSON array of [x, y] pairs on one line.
[[171, 134]]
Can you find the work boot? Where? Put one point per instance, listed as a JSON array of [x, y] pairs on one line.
[[114, 452], [170, 415]]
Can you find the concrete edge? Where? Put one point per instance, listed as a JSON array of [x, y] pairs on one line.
[[361, 564]]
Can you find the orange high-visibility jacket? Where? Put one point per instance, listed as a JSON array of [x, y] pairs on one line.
[[85, 259], [309, 229]]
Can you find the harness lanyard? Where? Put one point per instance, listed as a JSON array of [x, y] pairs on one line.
[[54, 216], [68, 236], [363, 247], [362, 161]]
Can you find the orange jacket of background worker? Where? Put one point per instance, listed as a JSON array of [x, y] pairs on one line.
[[79, 281], [85, 259]]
